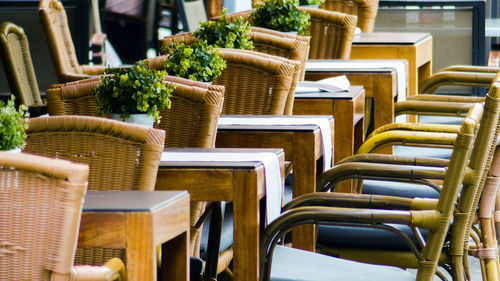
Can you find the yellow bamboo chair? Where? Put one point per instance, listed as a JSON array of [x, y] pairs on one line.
[[453, 259], [41, 203], [365, 211]]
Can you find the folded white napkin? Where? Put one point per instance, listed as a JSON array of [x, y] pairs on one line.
[[274, 184]]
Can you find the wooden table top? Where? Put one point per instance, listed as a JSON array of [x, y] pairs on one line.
[[389, 38], [129, 201]]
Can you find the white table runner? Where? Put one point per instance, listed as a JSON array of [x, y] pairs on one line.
[[322, 123], [272, 172]]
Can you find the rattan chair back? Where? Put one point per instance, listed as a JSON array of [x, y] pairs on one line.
[[256, 83], [54, 23], [365, 10], [331, 34], [121, 156], [294, 48], [16, 58], [40, 207], [73, 98]]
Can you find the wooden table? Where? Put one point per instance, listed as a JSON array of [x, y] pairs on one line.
[[301, 144], [347, 108], [240, 182], [380, 84], [139, 221], [414, 47]]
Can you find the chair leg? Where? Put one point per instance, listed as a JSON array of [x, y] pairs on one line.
[[214, 239]]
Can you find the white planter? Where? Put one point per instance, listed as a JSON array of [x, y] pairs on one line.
[[15, 150], [314, 6], [139, 119]]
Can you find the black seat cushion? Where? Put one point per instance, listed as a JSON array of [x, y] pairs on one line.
[[227, 232]]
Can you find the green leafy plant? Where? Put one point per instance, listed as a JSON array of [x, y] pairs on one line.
[[13, 123], [222, 33], [198, 61], [311, 2], [133, 90], [281, 15]]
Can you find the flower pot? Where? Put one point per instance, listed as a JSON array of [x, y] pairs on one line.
[[139, 119], [14, 150]]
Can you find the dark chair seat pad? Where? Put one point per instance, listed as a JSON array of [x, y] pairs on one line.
[[401, 189], [298, 265], [227, 232], [412, 151], [365, 238]]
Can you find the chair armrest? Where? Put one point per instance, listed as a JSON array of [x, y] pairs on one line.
[[331, 215], [399, 137], [353, 200], [156, 62], [445, 98], [114, 269], [396, 160], [429, 85], [424, 107], [376, 171], [420, 127], [470, 68], [93, 69]]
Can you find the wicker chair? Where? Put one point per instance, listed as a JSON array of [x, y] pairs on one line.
[[55, 26], [121, 156], [395, 253], [19, 68], [331, 32], [365, 10], [294, 48], [40, 206], [371, 212]]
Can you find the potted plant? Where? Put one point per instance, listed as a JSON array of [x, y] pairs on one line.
[[222, 33], [281, 15], [198, 61], [311, 3], [13, 123], [133, 94]]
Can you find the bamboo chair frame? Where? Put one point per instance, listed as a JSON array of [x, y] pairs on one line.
[[454, 260], [376, 211], [41, 204], [18, 66], [365, 10], [54, 23]]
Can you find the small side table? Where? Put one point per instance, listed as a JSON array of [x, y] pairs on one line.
[[139, 221]]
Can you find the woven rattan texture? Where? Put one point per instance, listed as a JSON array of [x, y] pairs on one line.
[[121, 156], [40, 207], [255, 84], [365, 10], [331, 34], [74, 98], [18, 66], [54, 22], [98, 256]]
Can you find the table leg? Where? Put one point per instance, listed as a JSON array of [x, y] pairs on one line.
[[246, 233], [304, 181], [140, 247]]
